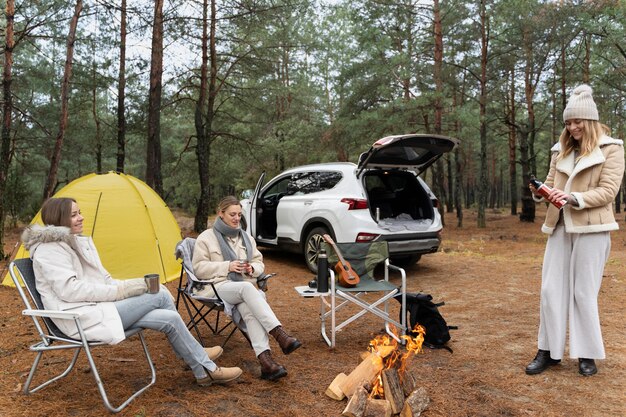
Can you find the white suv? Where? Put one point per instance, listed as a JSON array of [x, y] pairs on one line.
[[381, 198]]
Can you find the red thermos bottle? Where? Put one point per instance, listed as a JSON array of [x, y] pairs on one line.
[[544, 190]]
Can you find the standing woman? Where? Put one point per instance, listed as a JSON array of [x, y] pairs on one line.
[[586, 170], [70, 275], [226, 257]]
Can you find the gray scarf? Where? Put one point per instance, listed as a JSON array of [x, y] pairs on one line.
[[222, 229]]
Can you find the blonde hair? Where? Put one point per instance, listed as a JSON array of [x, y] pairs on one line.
[[226, 202], [592, 132]]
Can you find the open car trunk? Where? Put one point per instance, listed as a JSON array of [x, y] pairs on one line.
[[397, 200]]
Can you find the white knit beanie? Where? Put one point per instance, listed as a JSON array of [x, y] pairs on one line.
[[581, 105]]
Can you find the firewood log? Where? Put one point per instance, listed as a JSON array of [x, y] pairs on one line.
[[393, 391], [415, 403], [409, 383], [367, 370], [377, 408], [356, 405], [333, 390]]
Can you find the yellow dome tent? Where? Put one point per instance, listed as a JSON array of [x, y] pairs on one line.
[[132, 227]]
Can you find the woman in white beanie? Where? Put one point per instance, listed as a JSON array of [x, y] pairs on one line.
[[586, 170]]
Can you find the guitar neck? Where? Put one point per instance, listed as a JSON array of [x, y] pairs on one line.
[[339, 255]]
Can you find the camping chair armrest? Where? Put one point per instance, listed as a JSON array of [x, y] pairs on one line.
[[262, 279], [53, 314], [397, 269]]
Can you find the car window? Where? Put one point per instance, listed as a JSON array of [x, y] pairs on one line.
[[379, 182], [374, 181], [398, 183], [312, 182], [278, 188]]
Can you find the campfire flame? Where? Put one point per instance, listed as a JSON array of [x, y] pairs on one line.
[[386, 349]]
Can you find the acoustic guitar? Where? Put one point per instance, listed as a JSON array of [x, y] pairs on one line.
[[345, 274]]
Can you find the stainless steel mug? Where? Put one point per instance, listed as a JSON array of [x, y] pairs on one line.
[[152, 281]]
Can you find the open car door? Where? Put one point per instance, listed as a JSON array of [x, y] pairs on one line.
[[253, 216]]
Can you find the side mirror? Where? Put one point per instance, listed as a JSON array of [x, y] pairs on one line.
[[247, 194]]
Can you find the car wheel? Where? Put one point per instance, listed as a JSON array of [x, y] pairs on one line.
[[406, 260], [312, 246]]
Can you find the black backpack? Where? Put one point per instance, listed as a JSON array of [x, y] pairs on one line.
[[422, 310]]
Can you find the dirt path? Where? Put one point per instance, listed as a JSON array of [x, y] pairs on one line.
[[489, 279]]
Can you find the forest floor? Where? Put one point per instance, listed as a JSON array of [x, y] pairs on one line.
[[489, 279]]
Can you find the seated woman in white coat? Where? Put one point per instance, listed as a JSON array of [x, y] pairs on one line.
[[226, 257], [70, 275]]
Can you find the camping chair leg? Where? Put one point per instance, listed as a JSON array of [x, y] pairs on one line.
[[33, 370], [374, 309], [323, 315], [192, 321], [366, 307], [332, 310], [218, 329], [200, 316], [180, 288], [101, 389], [230, 335]]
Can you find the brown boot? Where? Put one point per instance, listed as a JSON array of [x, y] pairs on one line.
[[270, 369], [287, 343]]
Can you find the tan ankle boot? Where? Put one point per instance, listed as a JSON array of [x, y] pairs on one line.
[[287, 343], [270, 369], [221, 375], [214, 352]]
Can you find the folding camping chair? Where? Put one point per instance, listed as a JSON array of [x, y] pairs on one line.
[[200, 308], [52, 339], [363, 257]]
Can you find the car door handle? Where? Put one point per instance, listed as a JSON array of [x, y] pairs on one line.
[[308, 202]]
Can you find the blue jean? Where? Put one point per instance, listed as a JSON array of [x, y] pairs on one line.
[[158, 312]]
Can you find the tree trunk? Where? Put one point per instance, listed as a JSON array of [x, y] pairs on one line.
[[94, 112], [528, 204], [203, 120], [437, 75], [121, 94], [458, 190], [512, 147], [482, 186], [153, 159], [529, 215], [587, 59], [450, 175], [458, 168], [7, 111], [55, 159]]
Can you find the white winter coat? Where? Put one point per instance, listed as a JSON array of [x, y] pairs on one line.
[[70, 277]]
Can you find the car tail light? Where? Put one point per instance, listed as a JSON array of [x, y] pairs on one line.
[[355, 203], [365, 237]]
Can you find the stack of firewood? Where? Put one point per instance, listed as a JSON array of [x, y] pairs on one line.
[[401, 396]]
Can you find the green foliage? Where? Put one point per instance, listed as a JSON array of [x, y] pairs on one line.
[[301, 82]]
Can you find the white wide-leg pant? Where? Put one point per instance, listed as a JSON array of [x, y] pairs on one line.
[[572, 274], [254, 309]]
